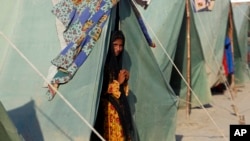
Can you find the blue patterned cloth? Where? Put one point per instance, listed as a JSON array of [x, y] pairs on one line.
[[84, 21], [229, 55]]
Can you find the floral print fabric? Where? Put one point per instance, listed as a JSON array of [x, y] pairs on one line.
[[84, 20], [114, 89], [113, 130], [112, 125]]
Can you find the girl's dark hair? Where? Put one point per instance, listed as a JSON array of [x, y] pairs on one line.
[[114, 63]]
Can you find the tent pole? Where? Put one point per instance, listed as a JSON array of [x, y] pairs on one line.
[[188, 96], [230, 34], [232, 87]]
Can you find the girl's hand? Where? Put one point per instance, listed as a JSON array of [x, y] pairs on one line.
[[123, 76]]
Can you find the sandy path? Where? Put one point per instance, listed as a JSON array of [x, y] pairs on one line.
[[200, 127]]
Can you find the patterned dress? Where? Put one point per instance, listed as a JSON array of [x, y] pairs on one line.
[[113, 128]]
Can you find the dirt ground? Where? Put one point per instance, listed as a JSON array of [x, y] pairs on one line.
[[213, 123]]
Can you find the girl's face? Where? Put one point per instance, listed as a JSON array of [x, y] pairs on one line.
[[118, 46]]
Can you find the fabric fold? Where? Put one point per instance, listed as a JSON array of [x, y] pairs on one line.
[[84, 21]]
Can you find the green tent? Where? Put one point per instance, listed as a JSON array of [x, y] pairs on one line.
[[29, 41], [8, 131], [208, 31], [241, 13]]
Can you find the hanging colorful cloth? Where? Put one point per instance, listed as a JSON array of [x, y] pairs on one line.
[[142, 25], [229, 55], [84, 21], [224, 63], [203, 5], [228, 58]]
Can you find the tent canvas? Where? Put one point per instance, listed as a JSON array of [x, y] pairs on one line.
[[28, 43], [207, 47], [8, 131]]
